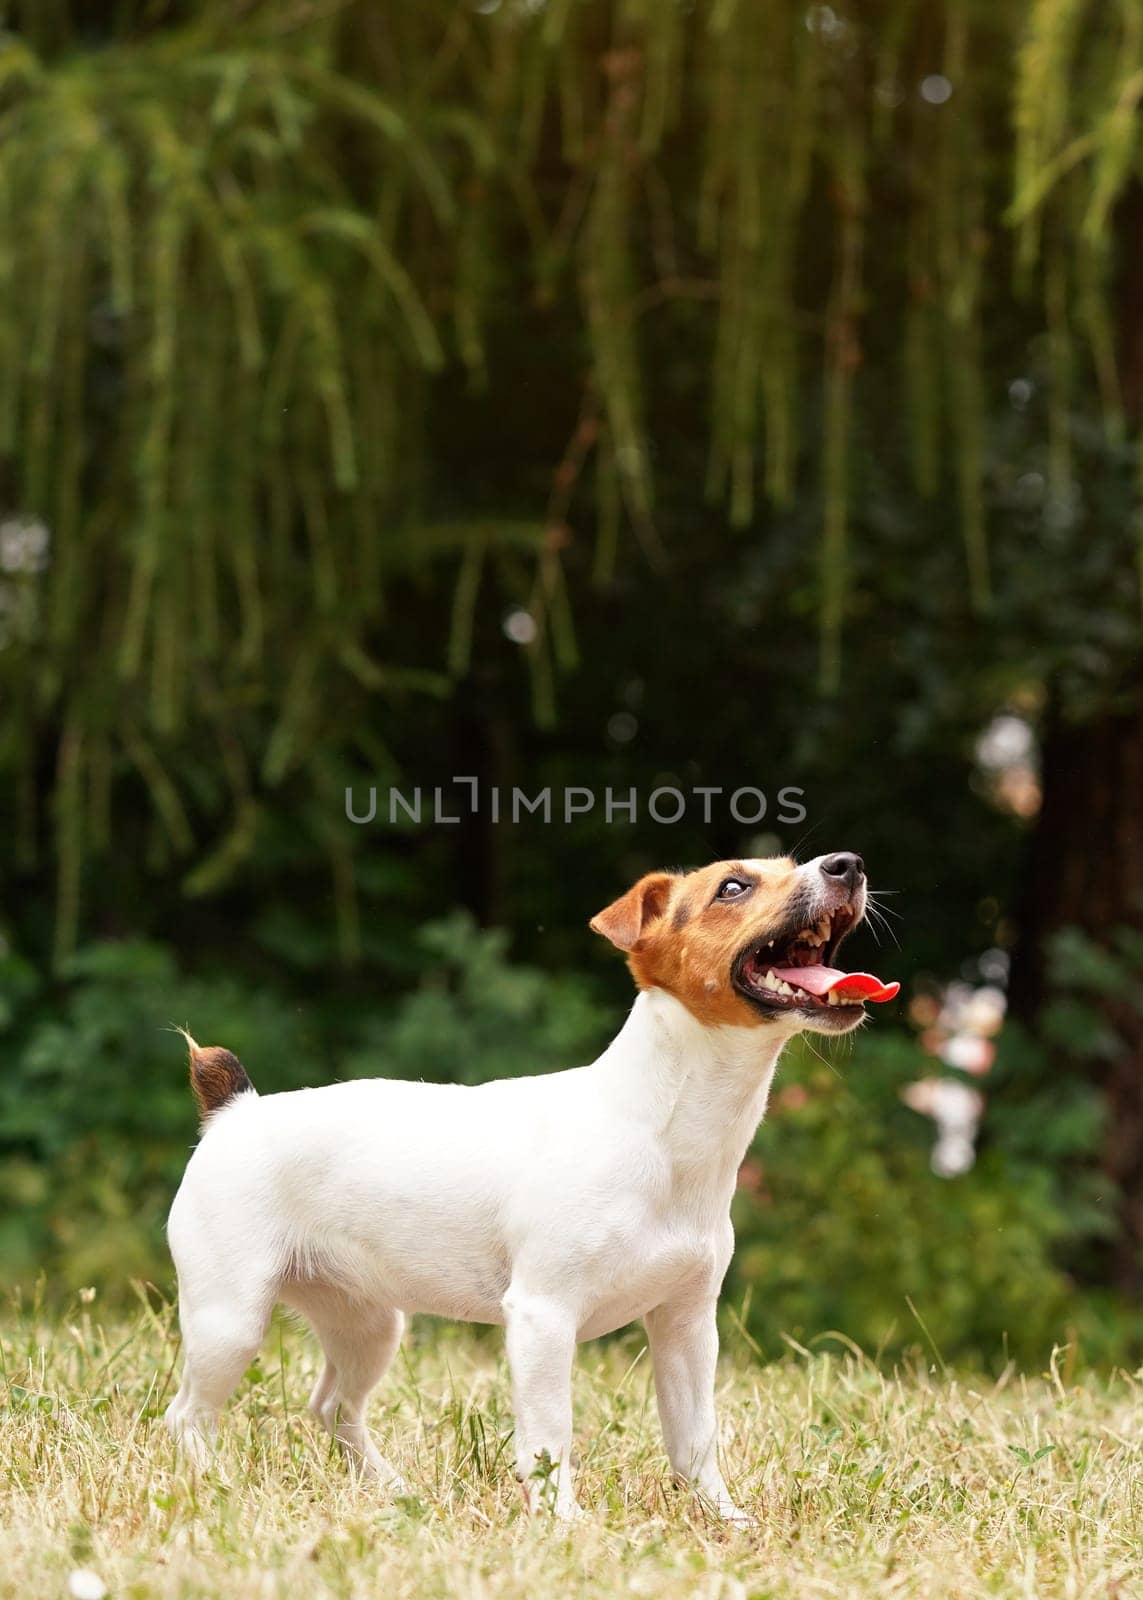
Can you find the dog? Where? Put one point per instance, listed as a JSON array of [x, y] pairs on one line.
[[562, 1206]]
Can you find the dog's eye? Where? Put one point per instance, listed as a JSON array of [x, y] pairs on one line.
[[731, 888]]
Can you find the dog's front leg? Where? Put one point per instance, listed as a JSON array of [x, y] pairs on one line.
[[684, 1351], [541, 1347]]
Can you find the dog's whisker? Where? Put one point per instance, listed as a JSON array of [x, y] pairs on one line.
[[877, 920], [803, 839], [825, 1061]]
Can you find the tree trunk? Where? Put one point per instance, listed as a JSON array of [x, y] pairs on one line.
[[1085, 869]]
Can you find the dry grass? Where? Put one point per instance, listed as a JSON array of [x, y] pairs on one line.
[[912, 1485]]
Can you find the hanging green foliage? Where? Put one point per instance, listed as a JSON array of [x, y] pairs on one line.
[[241, 239]]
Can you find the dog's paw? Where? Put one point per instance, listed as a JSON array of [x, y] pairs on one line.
[[725, 1509], [374, 1472], [735, 1517], [545, 1499]]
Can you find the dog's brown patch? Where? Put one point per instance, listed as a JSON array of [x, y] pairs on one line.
[[216, 1076], [680, 937]]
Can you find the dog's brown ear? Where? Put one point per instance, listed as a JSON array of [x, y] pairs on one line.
[[626, 920]]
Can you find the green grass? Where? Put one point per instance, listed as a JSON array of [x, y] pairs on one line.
[[906, 1485]]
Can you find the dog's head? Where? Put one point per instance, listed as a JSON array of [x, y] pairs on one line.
[[750, 942]]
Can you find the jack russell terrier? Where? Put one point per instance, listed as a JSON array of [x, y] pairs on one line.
[[561, 1206]]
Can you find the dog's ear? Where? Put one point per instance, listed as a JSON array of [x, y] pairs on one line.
[[626, 920]]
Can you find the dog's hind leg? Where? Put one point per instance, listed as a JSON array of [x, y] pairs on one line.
[[323, 1390], [359, 1345], [221, 1336]]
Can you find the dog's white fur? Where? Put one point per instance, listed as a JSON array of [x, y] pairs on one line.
[[561, 1206]]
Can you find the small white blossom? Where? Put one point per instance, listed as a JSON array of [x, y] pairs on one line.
[[23, 545], [83, 1584], [520, 627], [936, 89]]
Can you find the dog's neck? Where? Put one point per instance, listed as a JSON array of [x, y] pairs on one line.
[[703, 1089]]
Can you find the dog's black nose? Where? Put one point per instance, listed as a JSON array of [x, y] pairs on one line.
[[845, 867]]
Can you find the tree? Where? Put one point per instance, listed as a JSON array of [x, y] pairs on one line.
[[329, 331]]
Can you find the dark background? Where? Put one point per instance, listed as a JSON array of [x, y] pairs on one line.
[[783, 367]]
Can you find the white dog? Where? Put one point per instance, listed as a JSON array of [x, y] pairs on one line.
[[561, 1206]]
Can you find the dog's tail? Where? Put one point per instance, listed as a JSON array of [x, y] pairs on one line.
[[216, 1076]]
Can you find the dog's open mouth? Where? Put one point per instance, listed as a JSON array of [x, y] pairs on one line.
[[795, 971]]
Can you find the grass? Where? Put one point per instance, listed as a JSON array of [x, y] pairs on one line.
[[917, 1483]]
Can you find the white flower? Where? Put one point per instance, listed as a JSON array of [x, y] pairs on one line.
[[520, 626], [23, 545], [83, 1584]]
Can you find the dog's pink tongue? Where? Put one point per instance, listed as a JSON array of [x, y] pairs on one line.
[[829, 980]]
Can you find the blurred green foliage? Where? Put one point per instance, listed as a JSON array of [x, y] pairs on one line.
[[474, 1016], [845, 1227], [331, 333]]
